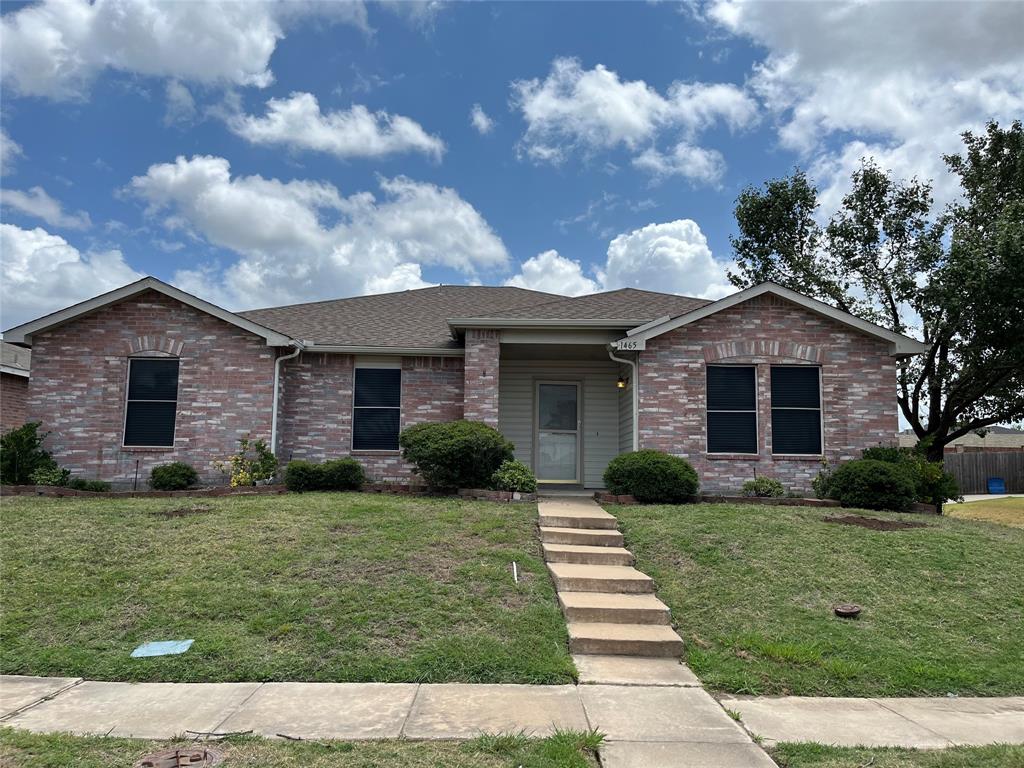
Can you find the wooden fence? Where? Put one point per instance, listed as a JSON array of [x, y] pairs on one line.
[[973, 469]]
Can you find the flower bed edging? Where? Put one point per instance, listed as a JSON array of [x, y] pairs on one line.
[[59, 491], [485, 494]]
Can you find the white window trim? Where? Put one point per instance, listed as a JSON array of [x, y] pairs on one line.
[[377, 363], [707, 410], [820, 409], [127, 387]]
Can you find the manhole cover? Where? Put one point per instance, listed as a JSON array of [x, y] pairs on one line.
[[183, 757]]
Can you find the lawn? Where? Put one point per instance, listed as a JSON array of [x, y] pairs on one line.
[[1003, 511], [751, 589], [316, 587], [818, 756], [563, 750]]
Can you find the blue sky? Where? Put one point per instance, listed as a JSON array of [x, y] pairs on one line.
[[275, 153]]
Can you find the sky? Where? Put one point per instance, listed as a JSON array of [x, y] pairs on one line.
[[259, 154]]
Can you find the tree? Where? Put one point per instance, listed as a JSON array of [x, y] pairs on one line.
[[955, 280]]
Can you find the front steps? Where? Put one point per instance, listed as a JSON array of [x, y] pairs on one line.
[[609, 606]]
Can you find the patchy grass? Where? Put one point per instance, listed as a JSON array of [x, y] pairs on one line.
[[563, 750], [318, 587], [818, 756], [1003, 511], [752, 587]]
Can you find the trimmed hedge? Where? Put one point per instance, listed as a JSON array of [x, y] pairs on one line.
[[514, 476], [455, 454], [651, 477], [338, 475], [176, 476], [871, 484], [763, 487], [81, 484]]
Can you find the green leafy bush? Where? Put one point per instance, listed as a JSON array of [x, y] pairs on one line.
[[81, 484], [823, 480], [455, 454], [514, 476], [763, 487], [342, 475], [651, 477], [253, 464], [932, 483], [22, 454], [871, 484], [176, 476], [50, 476], [301, 476]]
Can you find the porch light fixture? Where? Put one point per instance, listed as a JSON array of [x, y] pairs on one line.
[[621, 382]]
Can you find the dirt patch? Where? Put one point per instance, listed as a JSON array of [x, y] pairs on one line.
[[874, 523], [187, 511]]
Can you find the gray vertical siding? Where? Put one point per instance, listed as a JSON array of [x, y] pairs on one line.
[[601, 410], [626, 411]]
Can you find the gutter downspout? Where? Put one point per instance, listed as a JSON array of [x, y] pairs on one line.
[[299, 346], [636, 395]]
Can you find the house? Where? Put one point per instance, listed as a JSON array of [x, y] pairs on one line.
[[764, 381], [996, 439], [14, 369]]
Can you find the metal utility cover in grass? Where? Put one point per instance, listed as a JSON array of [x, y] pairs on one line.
[[162, 648]]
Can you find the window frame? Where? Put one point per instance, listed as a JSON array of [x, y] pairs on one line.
[[708, 410], [820, 409], [127, 400], [377, 365]]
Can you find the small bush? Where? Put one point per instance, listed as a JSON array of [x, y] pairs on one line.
[[342, 475], [514, 476], [932, 483], [871, 484], [652, 477], [455, 454], [50, 476], [81, 484], [22, 454], [176, 476], [253, 464], [301, 476], [823, 480], [763, 487]]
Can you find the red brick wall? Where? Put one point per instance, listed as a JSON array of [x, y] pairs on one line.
[[858, 388], [13, 401], [316, 413], [79, 375], [483, 354]]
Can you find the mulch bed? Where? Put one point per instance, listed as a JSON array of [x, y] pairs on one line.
[[874, 523]]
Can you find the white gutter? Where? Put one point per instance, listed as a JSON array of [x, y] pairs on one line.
[[636, 395], [277, 386]]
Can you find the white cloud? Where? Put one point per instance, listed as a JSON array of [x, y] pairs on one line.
[[550, 272], [574, 109], [181, 107], [36, 202], [697, 164], [9, 151], [884, 78], [480, 120], [43, 273], [302, 240], [298, 123], [55, 48]]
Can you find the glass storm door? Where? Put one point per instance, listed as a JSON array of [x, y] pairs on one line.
[[558, 432]]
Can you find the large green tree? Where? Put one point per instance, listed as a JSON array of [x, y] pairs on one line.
[[954, 280]]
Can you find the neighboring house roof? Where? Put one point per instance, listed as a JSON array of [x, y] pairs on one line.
[[408, 320], [630, 304], [996, 437], [22, 334], [14, 360], [901, 345]]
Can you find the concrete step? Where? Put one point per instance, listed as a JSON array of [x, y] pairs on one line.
[[624, 639], [577, 516], [576, 553], [582, 536], [574, 577], [604, 608]]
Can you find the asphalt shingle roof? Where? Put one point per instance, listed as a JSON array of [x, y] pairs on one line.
[[622, 304]]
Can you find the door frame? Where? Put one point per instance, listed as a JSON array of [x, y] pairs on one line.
[[578, 480]]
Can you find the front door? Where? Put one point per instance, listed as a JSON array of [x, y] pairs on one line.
[[558, 432]]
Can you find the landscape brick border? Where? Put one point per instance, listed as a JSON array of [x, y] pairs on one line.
[[602, 497]]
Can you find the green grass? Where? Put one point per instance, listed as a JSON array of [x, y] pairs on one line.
[[563, 750], [1003, 511], [751, 589], [818, 756], [317, 587]]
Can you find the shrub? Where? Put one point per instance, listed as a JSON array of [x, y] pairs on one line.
[[176, 476], [301, 476], [342, 475], [932, 483], [22, 454], [455, 454], [50, 476], [96, 486], [514, 476], [871, 484], [651, 477], [823, 480], [764, 487], [253, 464]]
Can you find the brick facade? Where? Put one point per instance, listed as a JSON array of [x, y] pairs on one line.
[[858, 388], [483, 355], [13, 401], [79, 377]]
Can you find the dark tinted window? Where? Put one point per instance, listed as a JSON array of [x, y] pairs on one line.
[[376, 419], [152, 402], [796, 410], [732, 403]]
